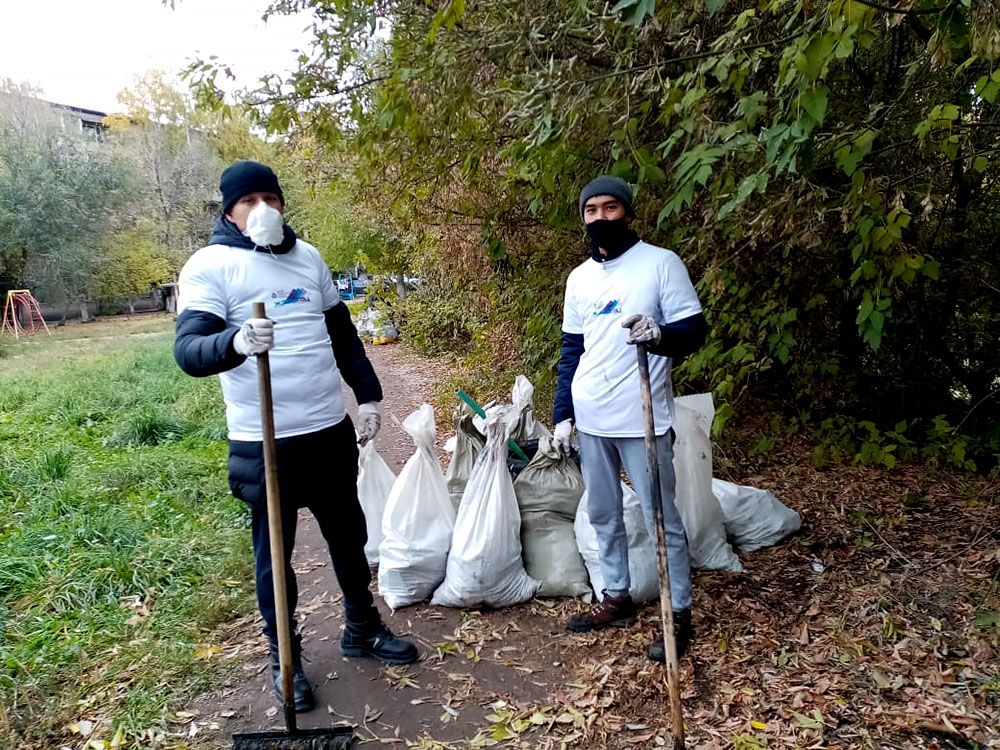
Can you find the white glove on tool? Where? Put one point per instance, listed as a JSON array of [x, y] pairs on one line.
[[369, 421], [642, 330], [256, 336], [561, 436]]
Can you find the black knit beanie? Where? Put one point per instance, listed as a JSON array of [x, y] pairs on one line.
[[608, 185], [243, 177]]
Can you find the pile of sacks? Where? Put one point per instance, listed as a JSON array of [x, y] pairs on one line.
[[375, 328], [495, 530]]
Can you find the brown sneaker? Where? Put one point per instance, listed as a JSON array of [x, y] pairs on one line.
[[683, 633], [610, 611]]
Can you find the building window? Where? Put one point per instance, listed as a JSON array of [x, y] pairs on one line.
[[92, 130]]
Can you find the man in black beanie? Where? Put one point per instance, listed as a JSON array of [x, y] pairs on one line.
[[313, 349], [627, 293]]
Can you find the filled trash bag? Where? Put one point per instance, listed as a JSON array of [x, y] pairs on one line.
[[484, 564], [375, 480], [548, 492], [385, 333], [417, 523], [645, 578], [699, 509], [754, 518], [368, 323], [468, 445], [522, 401]]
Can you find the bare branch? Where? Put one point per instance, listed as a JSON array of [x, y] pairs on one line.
[[903, 11], [335, 92]]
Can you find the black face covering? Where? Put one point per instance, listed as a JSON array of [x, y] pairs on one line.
[[614, 235]]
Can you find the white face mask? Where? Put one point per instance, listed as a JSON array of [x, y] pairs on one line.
[[265, 226]]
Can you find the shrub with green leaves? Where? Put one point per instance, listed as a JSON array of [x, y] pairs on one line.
[[825, 169]]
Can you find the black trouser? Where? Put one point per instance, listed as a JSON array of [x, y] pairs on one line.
[[318, 471]]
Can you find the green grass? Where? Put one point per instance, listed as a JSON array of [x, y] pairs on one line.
[[112, 492]]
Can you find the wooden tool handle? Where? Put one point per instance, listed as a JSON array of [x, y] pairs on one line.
[[666, 607], [275, 531]]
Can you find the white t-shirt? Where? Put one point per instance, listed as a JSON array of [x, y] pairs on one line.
[[645, 280], [296, 288]]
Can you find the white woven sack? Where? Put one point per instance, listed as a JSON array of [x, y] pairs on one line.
[[375, 480], [484, 565], [754, 518], [642, 569], [522, 398], [417, 523], [700, 511], [468, 444]]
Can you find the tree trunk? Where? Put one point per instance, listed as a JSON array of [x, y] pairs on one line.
[[84, 313], [401, 285]]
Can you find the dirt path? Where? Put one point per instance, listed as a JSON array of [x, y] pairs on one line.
[[512, 655]]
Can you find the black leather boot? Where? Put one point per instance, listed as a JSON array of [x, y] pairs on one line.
[[304, 699], [374, 640], [683, 633]]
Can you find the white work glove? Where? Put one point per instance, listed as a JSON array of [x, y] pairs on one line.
[[642, 330], [256, 336], [369, 421], [561, 436]]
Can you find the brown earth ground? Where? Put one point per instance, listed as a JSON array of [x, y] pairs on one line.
[[875, 627]]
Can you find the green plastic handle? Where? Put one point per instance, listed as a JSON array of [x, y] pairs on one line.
[[471, 402]]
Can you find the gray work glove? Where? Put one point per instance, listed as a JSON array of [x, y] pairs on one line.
[[561, 436], [642, 330], [256, 336], [369, 421]]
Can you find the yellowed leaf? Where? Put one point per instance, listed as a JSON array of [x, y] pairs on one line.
[[206, 651]]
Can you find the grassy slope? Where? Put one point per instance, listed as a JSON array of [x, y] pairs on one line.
[[119, 544]]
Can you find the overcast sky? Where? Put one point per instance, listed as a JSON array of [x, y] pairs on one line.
[[83, 52]]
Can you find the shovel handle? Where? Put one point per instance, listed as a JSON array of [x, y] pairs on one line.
[[666, 607], [274, 530]]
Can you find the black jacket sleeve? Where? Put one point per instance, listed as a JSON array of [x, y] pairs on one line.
[[353, 363], [569, 360], [682, 337], [204, 344]]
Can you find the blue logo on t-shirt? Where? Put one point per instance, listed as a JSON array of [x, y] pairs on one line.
[[609, 308], [294, 296]]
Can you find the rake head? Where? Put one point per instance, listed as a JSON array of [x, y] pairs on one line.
[[335, 738]]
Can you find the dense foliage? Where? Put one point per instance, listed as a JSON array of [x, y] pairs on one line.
[[825, 169], [86, 218]]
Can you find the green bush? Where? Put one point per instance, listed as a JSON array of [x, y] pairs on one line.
[[434, 318]]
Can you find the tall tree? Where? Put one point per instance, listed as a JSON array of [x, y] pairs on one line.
[[58, 196], [165, 137]]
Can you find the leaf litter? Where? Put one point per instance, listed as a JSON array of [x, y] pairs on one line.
[[877, 626]]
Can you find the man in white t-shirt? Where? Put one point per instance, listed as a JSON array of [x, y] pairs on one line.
[[313, 349], [628, 293]]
